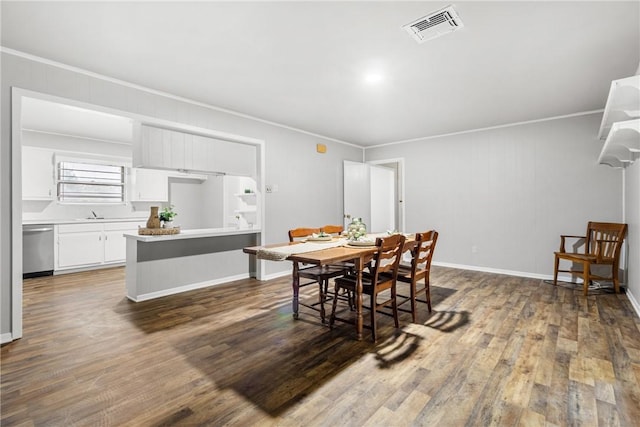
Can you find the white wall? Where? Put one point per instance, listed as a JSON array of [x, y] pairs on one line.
[[39, 210], [632, 217], [310, 184], [500, 198]]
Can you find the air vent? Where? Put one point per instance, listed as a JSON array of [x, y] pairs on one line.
[[434, 25]]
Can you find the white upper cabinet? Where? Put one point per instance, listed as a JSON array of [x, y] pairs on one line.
[[621, 123], [160, 148], [148, 185], [38, 179]]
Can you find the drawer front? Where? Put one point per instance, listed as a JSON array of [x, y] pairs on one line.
[[124, 226], [79, 228]]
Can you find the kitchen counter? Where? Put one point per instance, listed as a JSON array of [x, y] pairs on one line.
[[163, 265], [81, 220], [194, 234]]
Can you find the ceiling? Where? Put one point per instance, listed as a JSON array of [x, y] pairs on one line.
[[302, 64]]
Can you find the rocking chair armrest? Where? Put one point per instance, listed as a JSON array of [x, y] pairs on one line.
[[567, 236]]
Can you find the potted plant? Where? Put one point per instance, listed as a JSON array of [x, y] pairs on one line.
[[167, 215]]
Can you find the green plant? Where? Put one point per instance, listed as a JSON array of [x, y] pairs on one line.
[[167, 214]]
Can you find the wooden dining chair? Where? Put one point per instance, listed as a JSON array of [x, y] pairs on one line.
[[314, 274], [602, 246], [335, 230], [382, 276], [418, 271]]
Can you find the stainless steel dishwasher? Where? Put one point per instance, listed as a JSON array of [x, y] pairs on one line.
[[37, 250]]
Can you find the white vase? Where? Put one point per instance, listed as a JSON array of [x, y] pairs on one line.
[[168, 224]]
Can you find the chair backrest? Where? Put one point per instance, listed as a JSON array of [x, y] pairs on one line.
[[604, 239], [299, 233], [332, 229], [422, 253], [387, 258]]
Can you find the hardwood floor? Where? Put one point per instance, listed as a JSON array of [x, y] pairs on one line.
[[497, 350]]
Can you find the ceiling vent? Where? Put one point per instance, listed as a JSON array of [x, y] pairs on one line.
[[434, 25]]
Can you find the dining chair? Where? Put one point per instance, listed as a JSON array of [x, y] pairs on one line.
[[381, 277], [314, 274], [602, 245], [417, 271]]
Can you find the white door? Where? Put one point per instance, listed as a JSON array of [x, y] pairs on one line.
[[369, 193], [357, 196], [383, 197]]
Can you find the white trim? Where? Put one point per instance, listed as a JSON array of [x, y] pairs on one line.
[[16, 214], [16, 203], [5, 338], [526, 122], [45, 61], [66, 135], [276, 275], [634, 302], [401, 184], [186, 288]]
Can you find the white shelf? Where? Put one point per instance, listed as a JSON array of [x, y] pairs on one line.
[[622, 146], [244, 211], [623, 104]]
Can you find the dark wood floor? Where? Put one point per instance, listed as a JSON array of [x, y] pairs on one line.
[[497, 350]]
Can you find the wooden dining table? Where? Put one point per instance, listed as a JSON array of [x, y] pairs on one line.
[[359, 255]]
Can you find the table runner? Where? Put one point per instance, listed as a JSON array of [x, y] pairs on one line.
[[280, 253]]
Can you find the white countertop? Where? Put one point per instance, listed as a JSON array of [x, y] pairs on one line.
[[81, 220], [194, 234]]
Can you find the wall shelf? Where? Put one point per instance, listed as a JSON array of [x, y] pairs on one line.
[[622, 146], [620, 126], [623, 103]]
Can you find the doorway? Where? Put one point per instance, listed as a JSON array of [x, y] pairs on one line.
[[374, 191]]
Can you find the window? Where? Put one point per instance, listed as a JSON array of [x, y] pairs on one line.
[[90, 183]]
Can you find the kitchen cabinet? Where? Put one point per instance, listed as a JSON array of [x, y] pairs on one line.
[[78, 245], [160, 148], [232, 158], [38, 177], [92, 245], [148, 185]]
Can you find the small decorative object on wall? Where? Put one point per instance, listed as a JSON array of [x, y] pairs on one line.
[[154, 220], [166, 216]]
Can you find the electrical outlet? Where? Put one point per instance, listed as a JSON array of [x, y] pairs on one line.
[[268, 188]]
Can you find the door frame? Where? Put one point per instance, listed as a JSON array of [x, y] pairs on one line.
[[17, 95], [399, 163]]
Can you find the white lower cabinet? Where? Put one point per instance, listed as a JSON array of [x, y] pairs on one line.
[[95, 244]]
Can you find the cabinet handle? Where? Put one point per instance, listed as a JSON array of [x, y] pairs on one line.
[[99, 237]]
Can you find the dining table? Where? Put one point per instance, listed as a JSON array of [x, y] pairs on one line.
[[325, 253]]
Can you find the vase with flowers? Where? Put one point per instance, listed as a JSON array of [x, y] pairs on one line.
[[167, 215]]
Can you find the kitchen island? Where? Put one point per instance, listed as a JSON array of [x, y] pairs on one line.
[[168, 264]]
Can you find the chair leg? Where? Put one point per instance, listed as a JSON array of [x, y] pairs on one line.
[[413, 301], [614, 275], [394, 306], [332, 319], [585, 275], [322, 285], [428, 290], [555, 270], [373, 310]]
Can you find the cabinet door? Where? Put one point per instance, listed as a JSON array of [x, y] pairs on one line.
[[201, 154], [37, 174], [234, 158], [80, 249], [115, 244], [149, 185]]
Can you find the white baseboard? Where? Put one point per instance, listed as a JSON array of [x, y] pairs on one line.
[[500, 271], [276, 275], [634, 302], [185, 288], [5, 338]]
